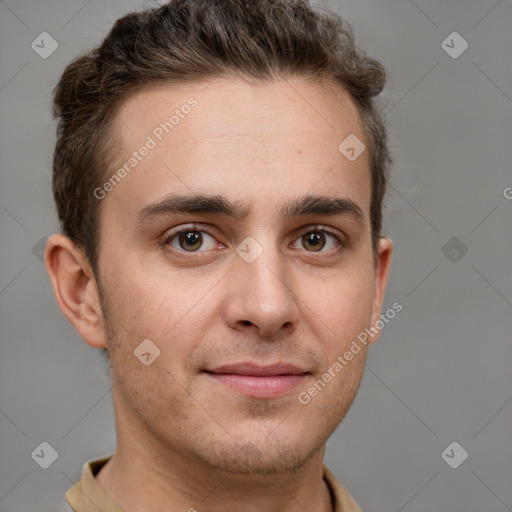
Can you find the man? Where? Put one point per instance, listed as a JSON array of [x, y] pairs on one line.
[[219, 175]]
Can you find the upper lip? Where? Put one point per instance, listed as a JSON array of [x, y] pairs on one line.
[[255, 369]]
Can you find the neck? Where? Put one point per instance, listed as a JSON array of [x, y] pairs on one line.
[[143, 475]]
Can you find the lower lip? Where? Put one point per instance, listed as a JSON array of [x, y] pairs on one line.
[[269, 386]]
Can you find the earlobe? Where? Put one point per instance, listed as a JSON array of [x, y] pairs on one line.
[[383, 266], [75, 289]]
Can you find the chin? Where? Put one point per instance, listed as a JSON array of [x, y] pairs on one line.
[[258, 456]]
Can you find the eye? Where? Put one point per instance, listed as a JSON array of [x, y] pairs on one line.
[[316, 239], [190, 239]]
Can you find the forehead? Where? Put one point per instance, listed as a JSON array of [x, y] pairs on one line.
[[228, 137], [323, 108]]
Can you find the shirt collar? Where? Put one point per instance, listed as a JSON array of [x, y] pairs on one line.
[[88, 496]]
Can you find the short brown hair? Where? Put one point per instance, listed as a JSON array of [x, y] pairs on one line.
[[187, 40]]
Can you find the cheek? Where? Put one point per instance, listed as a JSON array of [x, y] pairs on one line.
[[161, 306], [341, 308], [141, 309]]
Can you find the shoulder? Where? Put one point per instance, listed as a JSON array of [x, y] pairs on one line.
[[343, 501], [64, 506]]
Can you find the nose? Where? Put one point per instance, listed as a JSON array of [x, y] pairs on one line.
[[262, 296]]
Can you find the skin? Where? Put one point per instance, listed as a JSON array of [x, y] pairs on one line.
[[183, 440]]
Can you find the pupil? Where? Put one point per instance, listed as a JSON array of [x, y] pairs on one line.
[[191, 239]]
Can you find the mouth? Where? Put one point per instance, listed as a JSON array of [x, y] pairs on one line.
[[256, 381]]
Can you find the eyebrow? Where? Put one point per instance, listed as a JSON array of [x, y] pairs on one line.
[[219, 205]]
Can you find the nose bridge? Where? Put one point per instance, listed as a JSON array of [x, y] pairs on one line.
[[262, 293]]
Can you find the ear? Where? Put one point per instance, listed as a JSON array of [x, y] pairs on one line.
[[75, 289], [382, 267]]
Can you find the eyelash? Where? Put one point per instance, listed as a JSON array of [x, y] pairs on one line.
[[198, 254]]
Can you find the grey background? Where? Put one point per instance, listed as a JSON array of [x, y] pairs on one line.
[[441, 371]]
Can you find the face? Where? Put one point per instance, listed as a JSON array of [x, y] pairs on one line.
[[248, 294]]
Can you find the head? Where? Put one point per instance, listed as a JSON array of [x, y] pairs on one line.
[[207, 206]]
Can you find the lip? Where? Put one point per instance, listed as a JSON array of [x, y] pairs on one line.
[[257, 370], [257, 381]]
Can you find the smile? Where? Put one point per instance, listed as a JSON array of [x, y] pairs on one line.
[[259, 381]]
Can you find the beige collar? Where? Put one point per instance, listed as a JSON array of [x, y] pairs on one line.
[[88, 496]]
